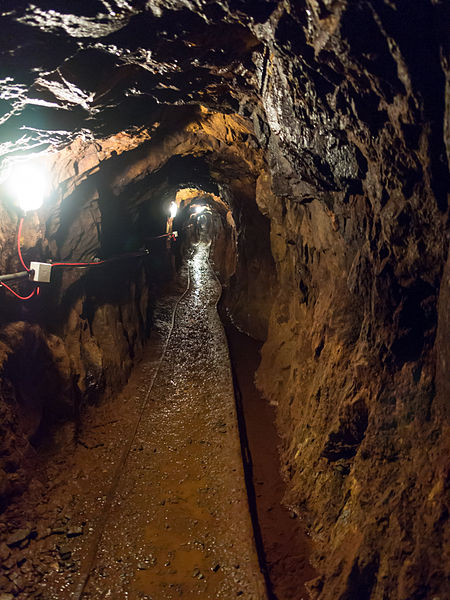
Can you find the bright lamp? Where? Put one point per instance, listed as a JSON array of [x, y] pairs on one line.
[[29, 185], [173, 209]]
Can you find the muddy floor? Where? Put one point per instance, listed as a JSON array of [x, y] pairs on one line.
[[151, 502]]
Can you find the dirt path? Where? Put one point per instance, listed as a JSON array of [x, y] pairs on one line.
[[174, 522], [179, 523]]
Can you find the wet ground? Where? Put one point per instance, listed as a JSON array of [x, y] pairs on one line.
[[179, 523], [151, 502], [280, 534]]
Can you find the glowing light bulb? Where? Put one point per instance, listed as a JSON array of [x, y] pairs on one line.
[[199, 209], [173, 209], [29, 185]]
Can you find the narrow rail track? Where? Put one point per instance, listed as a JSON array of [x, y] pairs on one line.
[[86, 567]]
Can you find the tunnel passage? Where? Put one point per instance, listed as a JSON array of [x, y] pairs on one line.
[[323, 127]]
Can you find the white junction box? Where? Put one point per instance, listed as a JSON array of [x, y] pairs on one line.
[[42, 272]]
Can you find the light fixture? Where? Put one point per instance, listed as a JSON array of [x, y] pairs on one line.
[[173, 210], [199, 209], [29, 184]]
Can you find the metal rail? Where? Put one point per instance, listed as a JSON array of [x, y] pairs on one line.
[[91, 556]]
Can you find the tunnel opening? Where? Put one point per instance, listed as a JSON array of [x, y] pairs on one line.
[[281, 542]]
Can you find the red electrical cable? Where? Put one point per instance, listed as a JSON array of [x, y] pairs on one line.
[[19, 251], [58, 264], [19, 233], [78, 264], [35, 291], [99, 262]]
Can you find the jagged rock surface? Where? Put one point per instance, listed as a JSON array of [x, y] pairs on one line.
[[341, 142]]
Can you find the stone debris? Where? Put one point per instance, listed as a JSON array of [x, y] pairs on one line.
[[197, 574], [74, 531], [19, 537]]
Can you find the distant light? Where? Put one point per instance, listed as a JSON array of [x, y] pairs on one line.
[[29, 185], [199, 209], [173, 209]]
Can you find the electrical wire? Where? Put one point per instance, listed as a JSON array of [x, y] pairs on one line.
[[19, 251], [15, 276], [99, 262], [69, 264], [35, 291], [158, 237], [78, 264]]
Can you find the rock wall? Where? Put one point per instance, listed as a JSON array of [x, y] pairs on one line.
[[358, 214], [347, 157], [73, 344], [365, 433], [250, 292]]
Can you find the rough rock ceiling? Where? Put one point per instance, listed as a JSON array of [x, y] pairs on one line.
[[107, 66], [322, 80], [346, 103]]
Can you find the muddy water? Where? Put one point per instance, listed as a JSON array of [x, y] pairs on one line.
[[179, 522], [283, 542]]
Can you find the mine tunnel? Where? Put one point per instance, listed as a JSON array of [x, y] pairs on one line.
[[224, 300]]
